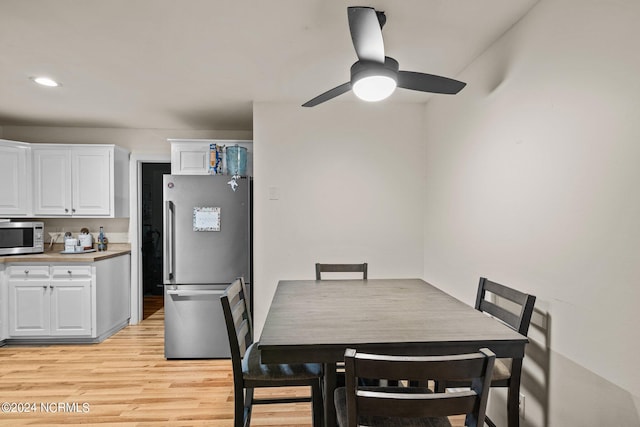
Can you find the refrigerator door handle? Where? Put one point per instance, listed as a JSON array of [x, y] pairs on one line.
[[168, 253], [182, 293]]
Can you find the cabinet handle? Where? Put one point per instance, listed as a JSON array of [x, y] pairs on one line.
[[44, 286], [69, 271], [26, 272], [50, 286], [73, 210], [66, 210]]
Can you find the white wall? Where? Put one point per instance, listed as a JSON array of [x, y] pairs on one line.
[[532, 176], [349, 178]]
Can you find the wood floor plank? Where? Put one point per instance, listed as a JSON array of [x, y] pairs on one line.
[[126, 381]]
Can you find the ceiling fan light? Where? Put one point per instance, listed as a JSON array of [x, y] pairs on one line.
[[373, 81], [374, 88]]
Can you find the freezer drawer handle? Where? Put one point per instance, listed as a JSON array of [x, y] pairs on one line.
[[194, 293], [168, 261]]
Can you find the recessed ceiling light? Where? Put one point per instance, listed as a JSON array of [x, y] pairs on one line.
[[45, 81]]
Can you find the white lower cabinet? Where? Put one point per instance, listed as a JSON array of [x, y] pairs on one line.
[[49, 301], [52, 302], [30, 307], [70, 300]]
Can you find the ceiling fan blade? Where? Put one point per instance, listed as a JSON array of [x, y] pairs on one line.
[[429, 83], [336, 91], [366, 34]]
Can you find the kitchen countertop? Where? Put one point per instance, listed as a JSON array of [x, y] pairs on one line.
[[54, 255]]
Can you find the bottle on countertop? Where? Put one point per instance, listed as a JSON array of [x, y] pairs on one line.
[[101, 245]]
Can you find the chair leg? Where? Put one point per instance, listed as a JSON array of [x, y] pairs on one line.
[[238, 406], [488, 422], [317, 407], [248, 405], [513, 417], [329, 388], [248, 397], [513, 394]]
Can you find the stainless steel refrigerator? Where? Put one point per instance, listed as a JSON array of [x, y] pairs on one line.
[[207, 233]]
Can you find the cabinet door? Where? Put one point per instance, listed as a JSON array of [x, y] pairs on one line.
[[91, 180], [15, 191], [190, 158], [70, 300], [71, 307], [29, 307], [51, 181]]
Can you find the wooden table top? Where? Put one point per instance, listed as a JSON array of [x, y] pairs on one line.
[[314, 321]]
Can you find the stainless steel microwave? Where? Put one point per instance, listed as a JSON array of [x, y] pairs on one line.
[[21, 237]]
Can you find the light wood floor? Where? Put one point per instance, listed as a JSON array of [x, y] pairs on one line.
[[126, 381]]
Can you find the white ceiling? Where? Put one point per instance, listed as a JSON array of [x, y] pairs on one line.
[[199, 64]]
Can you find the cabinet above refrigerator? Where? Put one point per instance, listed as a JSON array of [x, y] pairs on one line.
[[192, 156]]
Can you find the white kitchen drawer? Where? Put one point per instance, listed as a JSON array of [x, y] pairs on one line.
[[28, 272], [61, 272]]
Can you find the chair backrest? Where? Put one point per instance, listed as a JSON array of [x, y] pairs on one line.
[[238, 320], [522, 304], [341, 268], [365, 403]]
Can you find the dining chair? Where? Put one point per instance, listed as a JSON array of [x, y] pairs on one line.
[[358, 405], [341, 268], [514, 308], [248, 371]]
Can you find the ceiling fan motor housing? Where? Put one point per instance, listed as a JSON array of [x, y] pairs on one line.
[[362, 69]]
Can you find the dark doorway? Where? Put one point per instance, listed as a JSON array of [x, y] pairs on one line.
[[152, 228]]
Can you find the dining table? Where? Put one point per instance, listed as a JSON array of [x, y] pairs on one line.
[[314, 321]]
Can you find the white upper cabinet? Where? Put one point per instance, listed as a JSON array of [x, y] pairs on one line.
[[52, 181], [91, 187], [15, 178], [190, 157], [84, 180], [193, 156]]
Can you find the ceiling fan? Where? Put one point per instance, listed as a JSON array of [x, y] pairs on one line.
[[375, 76]]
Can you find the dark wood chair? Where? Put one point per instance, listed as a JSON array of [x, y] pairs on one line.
[[513, 308], [341, 268], [358, 405], [249, 373]]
